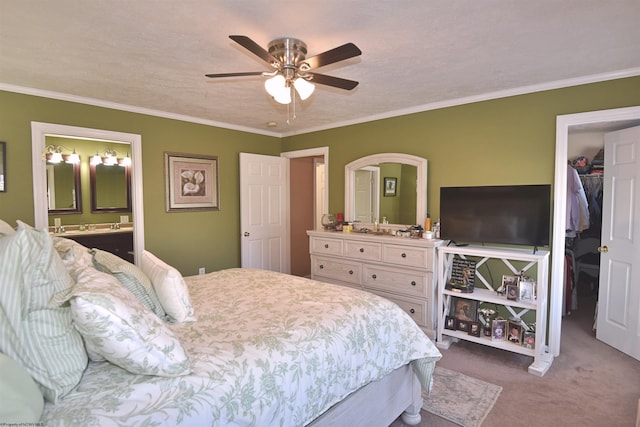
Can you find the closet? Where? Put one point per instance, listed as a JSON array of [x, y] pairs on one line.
[[585, 173]]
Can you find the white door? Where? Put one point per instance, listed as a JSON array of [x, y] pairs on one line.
[[365, 194], [264, 220], [619, 295]]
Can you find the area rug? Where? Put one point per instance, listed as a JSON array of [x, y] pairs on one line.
[[459, 398]]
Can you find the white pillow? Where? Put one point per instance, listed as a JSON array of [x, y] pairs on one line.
[[116, 326], [170, 288], [6, 229]]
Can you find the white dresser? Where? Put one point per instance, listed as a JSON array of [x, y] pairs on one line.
[[399, 269]]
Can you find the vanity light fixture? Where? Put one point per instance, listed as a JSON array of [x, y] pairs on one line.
[[110, 158], [53, 154]]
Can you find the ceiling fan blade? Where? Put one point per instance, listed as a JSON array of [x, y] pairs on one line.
[[249, 73], [256, 49], [338, 82], [340, 53]]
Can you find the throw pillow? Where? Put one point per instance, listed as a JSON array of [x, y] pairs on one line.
[[131, 278], [116, 326], [38, 336], [6, 229], [170, 287], [22, 401]]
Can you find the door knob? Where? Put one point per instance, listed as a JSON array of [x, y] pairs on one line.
[[603, 249], [247, 234]]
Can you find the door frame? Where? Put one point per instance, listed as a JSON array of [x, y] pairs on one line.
[[313, 152], [39, 132], [564, 124]]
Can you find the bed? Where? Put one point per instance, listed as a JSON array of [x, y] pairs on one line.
[[237, 347]]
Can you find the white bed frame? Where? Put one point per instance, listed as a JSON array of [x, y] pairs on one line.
[[378, 403]]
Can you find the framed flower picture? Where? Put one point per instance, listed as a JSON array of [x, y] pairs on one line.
[[191, 182]]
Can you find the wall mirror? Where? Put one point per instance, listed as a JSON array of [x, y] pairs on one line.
[[64, 194], [401, 198], [3, 167], [110, 188]]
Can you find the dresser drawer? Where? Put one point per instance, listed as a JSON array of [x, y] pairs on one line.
[[417, 309], [326, 246], [369, 251], [345, 271], [412, 284], [409, 256]]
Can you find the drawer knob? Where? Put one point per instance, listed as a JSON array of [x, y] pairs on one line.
[[361, 250], [403, 255], [413, 283], [374, 276], [326, 246], [321, 266], [350, 271], [412, 311]]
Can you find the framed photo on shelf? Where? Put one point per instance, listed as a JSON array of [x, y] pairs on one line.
[[390, 186], [527, 291], [475, 328], [463, 325], [498, 327], [515, 332], [450, 322], [529, 340], [464, 309], [512, 292], [191, 182]]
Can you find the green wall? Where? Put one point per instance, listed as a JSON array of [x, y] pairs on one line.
[[502, 141], [508, 140], [186, 240]]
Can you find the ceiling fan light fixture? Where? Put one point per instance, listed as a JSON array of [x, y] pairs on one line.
[[283, 96], [303, 87], [275, 85]]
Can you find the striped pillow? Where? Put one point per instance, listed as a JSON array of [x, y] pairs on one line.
[[38, 336], [131, 278]]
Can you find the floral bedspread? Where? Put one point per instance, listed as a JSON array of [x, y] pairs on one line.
[[267, 349]]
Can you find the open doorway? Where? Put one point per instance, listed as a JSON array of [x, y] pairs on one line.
[[600, 121], [308, 200]]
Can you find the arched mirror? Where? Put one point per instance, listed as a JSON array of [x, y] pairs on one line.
[[391, 186], [64, 195], [110, 187]]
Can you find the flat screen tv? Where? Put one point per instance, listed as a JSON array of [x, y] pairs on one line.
[[510, 215]]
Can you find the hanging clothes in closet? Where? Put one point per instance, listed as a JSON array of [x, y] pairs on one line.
[[592, 185]]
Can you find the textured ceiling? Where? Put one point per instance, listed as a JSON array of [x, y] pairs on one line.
[[151, 55]]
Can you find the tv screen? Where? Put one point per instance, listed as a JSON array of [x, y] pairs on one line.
[[512, 215]]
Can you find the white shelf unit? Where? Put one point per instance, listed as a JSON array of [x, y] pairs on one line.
[[536, 265]]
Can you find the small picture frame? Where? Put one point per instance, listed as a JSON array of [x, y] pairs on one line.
[[450, 322], [475, 328], [463, 325], [498, 328], [514, 331], [512, 292], [390, 185], [529, 340], [526, 291], [464, 309], [509, 280]]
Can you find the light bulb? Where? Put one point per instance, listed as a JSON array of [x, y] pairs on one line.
[[73, 158], [274, 85], [283, 96], [304, 88], [96, 160], [56, 157]]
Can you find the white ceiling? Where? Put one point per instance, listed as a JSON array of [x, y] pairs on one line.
[[151, 55]]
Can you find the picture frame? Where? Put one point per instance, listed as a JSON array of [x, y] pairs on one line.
[[475, 329], [390, 186], [192, 182], [514, 332], [464, 309], [450, 322], [512, 292], [463, 325], [527, 291], [498, 327], [509, 280], [529, 340]]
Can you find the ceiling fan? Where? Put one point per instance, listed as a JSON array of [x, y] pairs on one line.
[[292, 68]]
